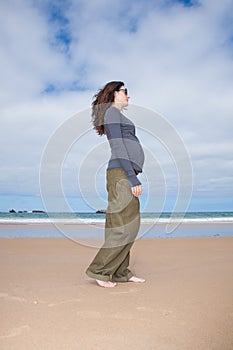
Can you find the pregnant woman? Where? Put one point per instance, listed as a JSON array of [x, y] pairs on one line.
[[111, 263]]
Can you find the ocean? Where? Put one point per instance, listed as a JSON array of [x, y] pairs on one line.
[[88, 225], [86, 218]]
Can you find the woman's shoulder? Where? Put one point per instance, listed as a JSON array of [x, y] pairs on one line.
[[112, 115]]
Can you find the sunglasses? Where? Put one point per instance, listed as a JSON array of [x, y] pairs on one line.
[[125, 90]]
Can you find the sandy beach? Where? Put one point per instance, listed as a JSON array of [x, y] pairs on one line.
[[47, 302]]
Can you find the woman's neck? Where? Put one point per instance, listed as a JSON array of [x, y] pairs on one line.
[[117, 105]]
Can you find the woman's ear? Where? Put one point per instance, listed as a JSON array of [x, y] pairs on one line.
[[115, 95]]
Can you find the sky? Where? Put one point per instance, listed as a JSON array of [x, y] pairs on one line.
[[176, 59]]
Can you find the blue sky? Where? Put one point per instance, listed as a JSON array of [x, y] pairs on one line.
[[176, 58]]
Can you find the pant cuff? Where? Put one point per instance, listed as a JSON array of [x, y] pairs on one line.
[[122, 278], [97, 276]]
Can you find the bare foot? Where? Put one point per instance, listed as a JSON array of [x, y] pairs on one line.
[[106, 284], [136, 279]]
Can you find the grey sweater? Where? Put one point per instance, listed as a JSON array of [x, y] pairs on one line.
[[126, 150]]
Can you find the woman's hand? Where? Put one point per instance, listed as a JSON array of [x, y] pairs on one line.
[[136, 190]]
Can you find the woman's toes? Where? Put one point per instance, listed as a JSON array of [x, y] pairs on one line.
[[107, 284], [136, 279]]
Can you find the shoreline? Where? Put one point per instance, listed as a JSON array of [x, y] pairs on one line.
[[77, 221], [96, 230]]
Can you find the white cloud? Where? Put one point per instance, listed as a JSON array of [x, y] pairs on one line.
[[174, 59], [28, 62]]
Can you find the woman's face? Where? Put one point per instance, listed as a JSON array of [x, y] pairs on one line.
[[121, 97]]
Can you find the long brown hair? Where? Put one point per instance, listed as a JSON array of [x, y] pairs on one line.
[[102, 101]]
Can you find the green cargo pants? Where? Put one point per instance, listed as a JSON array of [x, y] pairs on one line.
[[121, 228]]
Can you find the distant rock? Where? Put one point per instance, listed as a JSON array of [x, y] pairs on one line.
[[12, 211], [22, 211], [38, 211], [101, 211]]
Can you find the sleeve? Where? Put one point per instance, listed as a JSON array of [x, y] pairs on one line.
[[112, 125]]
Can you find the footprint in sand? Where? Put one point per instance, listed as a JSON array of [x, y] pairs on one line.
[[166, 312], [16, 331]]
